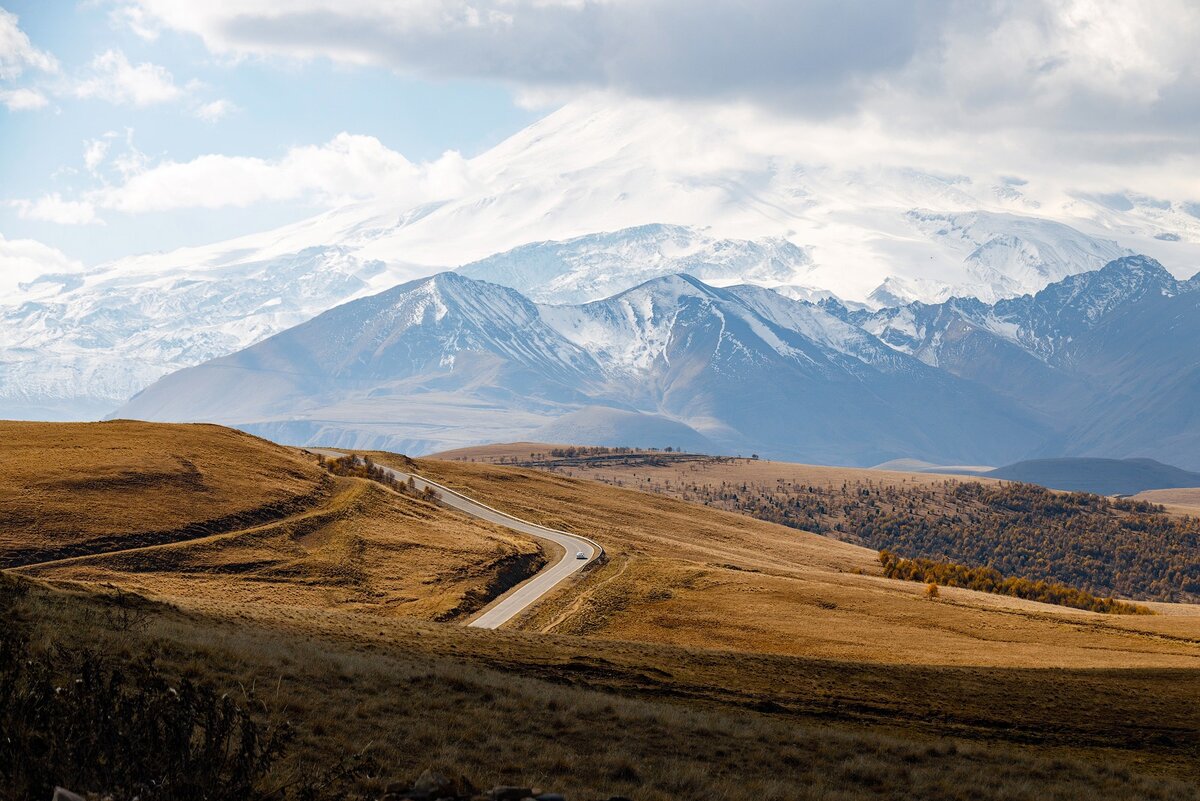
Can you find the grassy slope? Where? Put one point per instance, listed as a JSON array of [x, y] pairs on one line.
[[287, 534], [95, 486], [695, 576], [593, 718], [1179, 501], [322, 605]]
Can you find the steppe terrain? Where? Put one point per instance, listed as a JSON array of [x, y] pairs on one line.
[[693, 576], [713, 655], [209, 514], [1180, 501]]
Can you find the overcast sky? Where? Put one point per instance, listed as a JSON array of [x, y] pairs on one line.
[[134, 125]]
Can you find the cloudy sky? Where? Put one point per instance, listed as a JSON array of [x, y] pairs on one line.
[[136, 125]]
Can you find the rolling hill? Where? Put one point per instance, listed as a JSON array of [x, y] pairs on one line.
[[219, 517], [714, 632], [1102, 476]]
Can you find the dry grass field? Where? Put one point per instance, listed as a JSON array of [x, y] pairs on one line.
[[214, 513], [592, 718], [70, 488], [1180, 501], [695, 576], [712, 656]]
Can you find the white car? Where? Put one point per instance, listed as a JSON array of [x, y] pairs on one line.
[[581, 555]]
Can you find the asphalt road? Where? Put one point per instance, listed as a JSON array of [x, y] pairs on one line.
[[523, 596]]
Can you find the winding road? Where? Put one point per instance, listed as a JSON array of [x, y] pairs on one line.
[[524, 595]]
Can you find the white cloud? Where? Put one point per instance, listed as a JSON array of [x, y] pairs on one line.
[[111, 77], [136, 20], [345, 169], [17, 52], [22, 99], [25, 259], [94, 153], [214, 111], [1036, 67], [54, 208]]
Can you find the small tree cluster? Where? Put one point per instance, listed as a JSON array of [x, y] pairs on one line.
[[364, 467], [986, 579]]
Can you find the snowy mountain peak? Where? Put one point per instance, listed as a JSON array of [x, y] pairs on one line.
[[1040, 324], [600, 265], [592, 200], [434, 361]]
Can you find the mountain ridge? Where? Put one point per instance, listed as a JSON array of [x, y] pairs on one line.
[[647, 195], [438, 355]]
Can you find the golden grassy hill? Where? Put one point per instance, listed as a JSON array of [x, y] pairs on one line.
[[713, 656], [70, 488], [695, 576], [1180, 501], [222, 518]]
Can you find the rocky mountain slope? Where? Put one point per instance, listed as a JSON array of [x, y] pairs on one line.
[[1097, 364], [450, 361], [1106, 358]]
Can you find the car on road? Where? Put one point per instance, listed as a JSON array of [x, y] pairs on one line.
[[581, 555]]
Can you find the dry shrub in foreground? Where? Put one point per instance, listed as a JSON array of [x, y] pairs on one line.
[[462, 714], [80, 719]]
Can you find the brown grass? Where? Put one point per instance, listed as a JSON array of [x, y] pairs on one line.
[[71, 488], [287, 534], [691, 575], [592, 718], [1180, 501]]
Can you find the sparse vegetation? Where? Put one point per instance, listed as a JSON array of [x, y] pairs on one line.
[[80, 718], [353, 466], [714, 655], [591, 720], [986, 579], [1102, 546]]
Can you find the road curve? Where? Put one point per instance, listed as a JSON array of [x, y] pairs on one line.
[[523, 596]]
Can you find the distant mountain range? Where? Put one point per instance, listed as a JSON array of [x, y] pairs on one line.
[[592, 200], [1102, 476], [448, 361], [1109, 360], [1103, 362]]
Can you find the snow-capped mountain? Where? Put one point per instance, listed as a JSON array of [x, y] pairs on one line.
[[82, 344], [1040, 324], [1109, 359], [599, 265], [448, 361], [1004, 255], [710, 195]]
